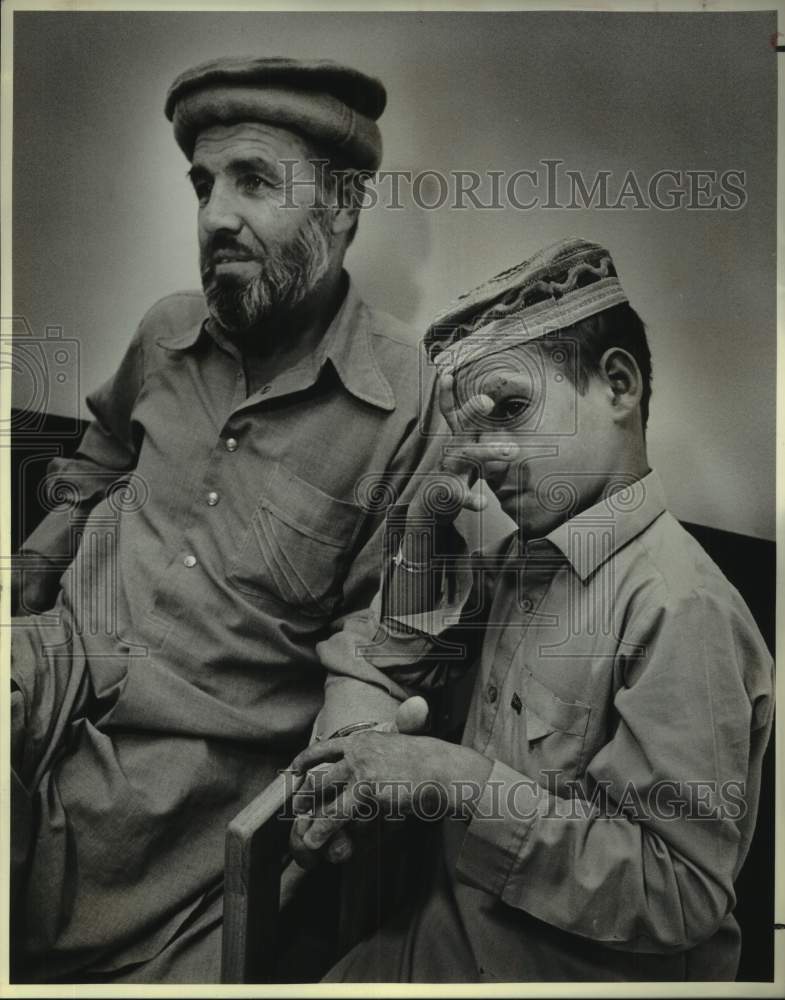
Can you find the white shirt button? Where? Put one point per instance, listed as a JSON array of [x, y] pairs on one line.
[[231, 444], [189, 561], [212, 498]]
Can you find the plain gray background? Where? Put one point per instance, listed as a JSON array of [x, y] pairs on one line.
[[104, 219]]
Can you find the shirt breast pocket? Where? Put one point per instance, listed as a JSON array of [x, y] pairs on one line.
[[553, 731], [297, 548]]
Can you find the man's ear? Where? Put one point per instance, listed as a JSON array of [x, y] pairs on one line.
[[347, 200], [623, 377], [344, 218]]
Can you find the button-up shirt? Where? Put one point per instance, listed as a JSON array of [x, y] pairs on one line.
[[219, 546], [624, 693]]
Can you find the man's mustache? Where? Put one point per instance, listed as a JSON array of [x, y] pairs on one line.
[[221, 249]]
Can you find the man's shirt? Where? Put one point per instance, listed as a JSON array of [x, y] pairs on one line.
[[224, 544], [625, 695]]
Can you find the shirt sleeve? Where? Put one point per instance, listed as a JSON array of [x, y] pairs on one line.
[[108, 450], [646, 857], [363, 654]]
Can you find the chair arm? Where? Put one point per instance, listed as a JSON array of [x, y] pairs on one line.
[[256, 855]]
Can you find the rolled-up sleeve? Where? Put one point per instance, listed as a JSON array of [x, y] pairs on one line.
[[377, 658], [645, 857]]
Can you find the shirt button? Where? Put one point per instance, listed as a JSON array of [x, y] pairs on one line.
[[526, 604], [492, 693], [231, 444], [189, 561], [212, 498]]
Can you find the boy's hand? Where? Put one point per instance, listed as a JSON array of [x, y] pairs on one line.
[[465, 459]]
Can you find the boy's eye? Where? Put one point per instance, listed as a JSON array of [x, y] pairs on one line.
[[510, 409]]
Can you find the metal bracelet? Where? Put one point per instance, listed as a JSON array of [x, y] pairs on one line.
[[355, 727], [400, 563]]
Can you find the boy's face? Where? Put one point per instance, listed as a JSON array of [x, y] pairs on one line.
[[568, 448]]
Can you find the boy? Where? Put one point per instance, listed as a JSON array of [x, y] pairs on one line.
[[604, 795]]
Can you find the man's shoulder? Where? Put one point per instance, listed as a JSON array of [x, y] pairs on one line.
[[390, 335], [174, 314], [397, 349]]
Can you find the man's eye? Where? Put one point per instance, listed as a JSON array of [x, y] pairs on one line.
[[202, 191], [252, 183], [510, 409]]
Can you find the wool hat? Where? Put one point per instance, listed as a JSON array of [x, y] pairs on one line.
[[560, 285], [334, 105]]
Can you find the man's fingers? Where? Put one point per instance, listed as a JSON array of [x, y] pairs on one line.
[[336, 850], [322, 783], [307, 783], [304, 856], [340, 848], [317, 753], [331, 819]]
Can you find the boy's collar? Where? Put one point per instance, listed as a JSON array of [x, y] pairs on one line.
[[590, 538]]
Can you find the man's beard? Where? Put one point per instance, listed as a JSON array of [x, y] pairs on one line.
[[289, 272]]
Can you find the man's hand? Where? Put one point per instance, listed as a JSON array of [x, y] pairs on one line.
[[410, 718], [385, 774], [465, 458]]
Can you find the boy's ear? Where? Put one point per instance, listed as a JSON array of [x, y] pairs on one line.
[[623, 377]]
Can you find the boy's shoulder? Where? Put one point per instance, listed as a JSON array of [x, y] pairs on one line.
[[676, 564], [662, 568], [665, 575]]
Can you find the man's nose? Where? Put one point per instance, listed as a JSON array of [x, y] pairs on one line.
[[220, 211]]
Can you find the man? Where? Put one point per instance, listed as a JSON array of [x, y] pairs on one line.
[[220, 542], [604, 795]]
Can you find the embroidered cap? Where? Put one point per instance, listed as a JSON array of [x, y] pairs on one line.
[[560, 285]]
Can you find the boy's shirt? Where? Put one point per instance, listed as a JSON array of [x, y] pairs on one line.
[[625, 694]]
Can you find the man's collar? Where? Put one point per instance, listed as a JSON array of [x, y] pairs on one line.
[[184, 340], [346, 343], [595, 535]]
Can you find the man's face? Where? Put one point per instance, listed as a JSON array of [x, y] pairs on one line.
[[263, 245], [568, 448]]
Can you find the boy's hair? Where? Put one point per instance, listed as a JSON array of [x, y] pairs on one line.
[[619, 326]]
